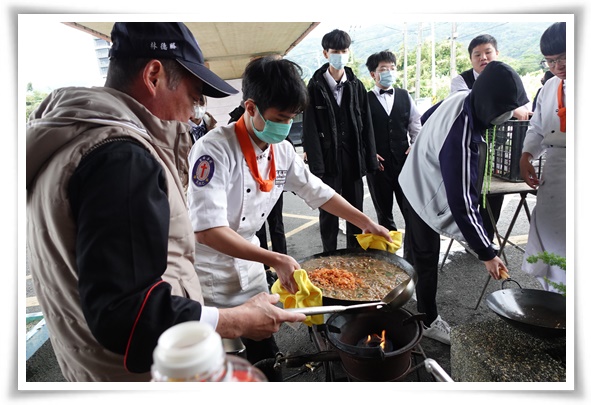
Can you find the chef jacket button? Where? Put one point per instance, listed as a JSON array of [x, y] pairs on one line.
[[269, 158], [263, 214], [552, 131], [243, 218], [248, 190]]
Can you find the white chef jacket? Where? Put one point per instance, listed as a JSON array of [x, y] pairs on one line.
[[223, 192], [547, 230]]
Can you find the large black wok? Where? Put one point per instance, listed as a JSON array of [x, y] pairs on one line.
[[537, 312], [376, 254]]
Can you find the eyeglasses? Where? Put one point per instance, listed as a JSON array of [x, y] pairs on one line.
[[546, 63]]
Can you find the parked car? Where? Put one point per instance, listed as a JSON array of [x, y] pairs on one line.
[[296, 131]]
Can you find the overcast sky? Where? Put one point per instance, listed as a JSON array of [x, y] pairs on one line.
[[53, 55]]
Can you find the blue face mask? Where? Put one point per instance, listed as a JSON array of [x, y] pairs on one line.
[[273, 132], [386, 78], [338, 60]]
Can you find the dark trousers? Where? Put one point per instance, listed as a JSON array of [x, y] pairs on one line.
[[258, 350], [424, 247], [276, 230], [496, 203], [383, 187], [352, 191]]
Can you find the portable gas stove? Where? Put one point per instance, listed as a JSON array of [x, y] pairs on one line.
[[367, 346]]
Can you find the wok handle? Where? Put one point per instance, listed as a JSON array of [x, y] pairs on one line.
[[415, 318], [329, 309], [508, 280]]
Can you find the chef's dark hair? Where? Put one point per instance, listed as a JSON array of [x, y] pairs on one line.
[[274, 82], [374, 60], [337, 40], [481, 40], [553, 40]]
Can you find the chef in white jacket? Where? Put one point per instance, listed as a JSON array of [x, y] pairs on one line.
[[237, 174], [547, 133]]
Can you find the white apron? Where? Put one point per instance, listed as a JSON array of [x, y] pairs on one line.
[[548, 220]]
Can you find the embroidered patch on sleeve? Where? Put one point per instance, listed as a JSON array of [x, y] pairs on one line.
[[203, 171]]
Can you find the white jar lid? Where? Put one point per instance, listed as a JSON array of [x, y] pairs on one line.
[[187, 349]]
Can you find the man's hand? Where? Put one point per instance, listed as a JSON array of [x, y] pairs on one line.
[[521, 113], [257, 319], [380, 165], [284, 266], [376, 229], [527, 171], [494, 267]]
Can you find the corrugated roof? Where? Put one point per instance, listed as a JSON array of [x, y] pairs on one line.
[[229, 46]]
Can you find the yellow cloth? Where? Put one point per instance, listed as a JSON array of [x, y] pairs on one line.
[[369, 240], [308, 295]]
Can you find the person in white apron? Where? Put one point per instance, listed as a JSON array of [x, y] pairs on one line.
[[547, 132], [237, 174]]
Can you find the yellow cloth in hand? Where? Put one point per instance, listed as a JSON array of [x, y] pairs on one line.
[[308, 295], [369, 240]]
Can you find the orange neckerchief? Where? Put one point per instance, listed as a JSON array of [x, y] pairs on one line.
[[251, 157], [561, 108]]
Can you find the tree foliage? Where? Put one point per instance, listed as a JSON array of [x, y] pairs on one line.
[[33, 99], [518, 46], [527, 64]]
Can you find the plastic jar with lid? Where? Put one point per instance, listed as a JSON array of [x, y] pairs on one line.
[[193, 351]]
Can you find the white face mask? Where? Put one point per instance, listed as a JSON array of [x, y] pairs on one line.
[[338, 60], [387, 78], [502, 118], [199, 112]]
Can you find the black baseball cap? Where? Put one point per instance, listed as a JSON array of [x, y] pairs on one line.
[[167, 40]]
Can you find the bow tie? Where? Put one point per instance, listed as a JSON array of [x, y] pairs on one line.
[[390, 91]]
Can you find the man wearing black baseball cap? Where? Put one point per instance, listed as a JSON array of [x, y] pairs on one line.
[[109, 239], [166, 41]]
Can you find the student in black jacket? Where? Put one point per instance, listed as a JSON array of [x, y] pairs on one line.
[[338, 135]]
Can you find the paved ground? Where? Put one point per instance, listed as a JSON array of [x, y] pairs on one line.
[[461, 282]]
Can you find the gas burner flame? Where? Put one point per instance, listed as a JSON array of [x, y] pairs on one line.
[[375, 340]]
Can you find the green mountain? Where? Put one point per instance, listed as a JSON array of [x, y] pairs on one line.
[[518, 42]]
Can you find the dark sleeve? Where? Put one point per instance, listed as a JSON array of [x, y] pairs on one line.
[[367, 137], [119, 201], [459, 168], [312, 134], [533, 106]]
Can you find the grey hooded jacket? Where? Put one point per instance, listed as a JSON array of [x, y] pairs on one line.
[[104, 304], [442, 176]]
